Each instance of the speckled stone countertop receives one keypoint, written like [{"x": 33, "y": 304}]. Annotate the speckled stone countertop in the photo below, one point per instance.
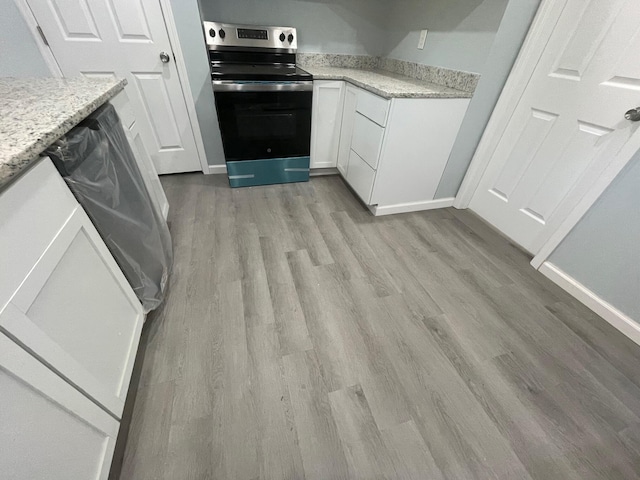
[
  {"x": 386, "y": 84},
  {"x": 35, "y": 112}
]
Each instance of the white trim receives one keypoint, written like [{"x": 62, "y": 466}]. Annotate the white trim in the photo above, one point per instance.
[
  {"x": 45, "y": 51},
  {"x": 183, "y": 76},
  {"x": 321, "y": 172},
  {"x": 615, "y": 317},
  {"x": 530, "y": 53},
  {"x": 411, "y": 207},
  {"x": 217, "y": 169},
  {"x": 324, "y": 165}
]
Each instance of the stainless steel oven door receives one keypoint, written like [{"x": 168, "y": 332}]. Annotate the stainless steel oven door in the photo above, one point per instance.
[{"x": 262, "y": 120}]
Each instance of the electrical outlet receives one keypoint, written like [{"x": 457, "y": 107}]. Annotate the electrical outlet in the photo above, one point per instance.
[{"x": 423, "y": 39}]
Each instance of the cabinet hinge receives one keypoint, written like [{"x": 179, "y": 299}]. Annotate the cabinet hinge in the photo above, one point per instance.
[{"x": 44, "y": 39}]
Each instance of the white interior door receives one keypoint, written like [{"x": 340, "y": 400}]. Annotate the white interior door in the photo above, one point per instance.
[
  {"x": 569, "y": 125},
  {"x": 124, "y": 38}
]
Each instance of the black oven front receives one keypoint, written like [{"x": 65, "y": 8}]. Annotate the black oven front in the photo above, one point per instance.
[{"x": 264, "y": 120}]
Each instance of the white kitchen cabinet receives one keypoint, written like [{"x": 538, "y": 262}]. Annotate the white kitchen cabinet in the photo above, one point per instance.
[
  {"x": 418, "y": 140},
  {"x": 393, "y": 152},
  {"x": 123, "y": 106},
  {"x": 48, "y": 428},
  {"x": 373, "y": 107},
  {"x": 360, "y": 176},
  {"x": 62, "y": 295},
  {"x": 328, "y": 97},
  {"x": 366, "y": 139},
  {"x": 346, "y": 130}
]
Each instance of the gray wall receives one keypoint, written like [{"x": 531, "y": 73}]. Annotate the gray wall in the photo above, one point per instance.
[
  {"x": 326, "y": 26},
  {"x": 603, "y": 251},
  {"x": 508, "y": 40},
  {"x": 19, "y": 54},
  {"x": 461, "y": 32},
  {"x": 187, "y": 17}
]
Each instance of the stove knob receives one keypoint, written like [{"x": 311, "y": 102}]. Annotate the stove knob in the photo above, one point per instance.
[
  {"x": 212, "y": 32},
  {"x": 283, "y": 37},
  {"x": 290, "y": 37},
  {"x": 222, "y": 33}
]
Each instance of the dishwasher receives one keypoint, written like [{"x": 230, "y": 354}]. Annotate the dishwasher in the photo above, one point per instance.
[{"x": 97, "y": 163}]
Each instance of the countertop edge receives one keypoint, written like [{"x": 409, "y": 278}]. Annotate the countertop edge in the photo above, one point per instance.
[
  {"x": 345, "y": 77},
  {"x": 13, "y": 170}
]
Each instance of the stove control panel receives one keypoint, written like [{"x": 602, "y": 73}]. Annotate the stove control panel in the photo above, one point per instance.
[{"x": 223, "y": 35}]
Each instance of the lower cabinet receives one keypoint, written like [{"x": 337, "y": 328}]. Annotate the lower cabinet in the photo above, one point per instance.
[
  {"x": 70, "y": 326},
  {"x": 326, "y": 122},
  {"x": 393, "y": 152},
  {"x": 49, "y": 429},
  {"x": 346, "y": 130}
]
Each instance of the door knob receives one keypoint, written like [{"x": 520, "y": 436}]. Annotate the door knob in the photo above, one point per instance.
[
  {"x": 633, "y": 114},
  {"x": 164, "y": 57}
]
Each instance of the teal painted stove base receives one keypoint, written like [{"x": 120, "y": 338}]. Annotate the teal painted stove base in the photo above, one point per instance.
[{"x": 269, "y": 171}]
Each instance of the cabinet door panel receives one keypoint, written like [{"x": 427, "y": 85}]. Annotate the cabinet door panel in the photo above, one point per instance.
[
  {"x": 328, "y": 98},
  {"x": 38, "y": 194},
  {"x": 361, "y": 177},
  {"x": 346, "y": 131},
  {"x": 77, "y": 312},
  {"x": 48, "y": 429}
]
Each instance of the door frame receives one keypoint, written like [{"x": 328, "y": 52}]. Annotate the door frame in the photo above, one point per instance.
[
  {"x": 181, "y": 66},
  {"x": 532, "y": 49}
]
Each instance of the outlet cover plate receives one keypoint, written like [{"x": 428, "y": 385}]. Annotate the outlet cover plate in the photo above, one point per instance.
[{"x": 423, "y": 39}]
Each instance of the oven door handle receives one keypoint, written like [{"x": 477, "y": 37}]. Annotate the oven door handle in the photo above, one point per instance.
[{"x": 231, "y": 86}]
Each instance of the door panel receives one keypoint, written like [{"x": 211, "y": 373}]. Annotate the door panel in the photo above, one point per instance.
[
  {"x": 124, "y": 38},
  {"x": 569, "y": 123},
  {"x": 75, "y": 20},
  {"x": 130, "y": 21},
  {"x": 157, "y": 104}
]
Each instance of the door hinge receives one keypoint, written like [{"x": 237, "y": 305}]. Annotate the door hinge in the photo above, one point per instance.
[{"x": 44, "y": 39}]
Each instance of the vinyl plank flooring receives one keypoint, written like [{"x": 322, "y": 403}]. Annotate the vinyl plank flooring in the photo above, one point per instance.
[
  {"x": 303, "y": 338},
  {"x": 320, "y": 446},
  {"x": 366, "y": 453},
  {"x": 412, "y": 457}
]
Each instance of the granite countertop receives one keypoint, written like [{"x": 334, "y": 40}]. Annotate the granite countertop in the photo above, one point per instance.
[
  {"x": 35, "y": 112},
  {"x": 386, "y": 84}
]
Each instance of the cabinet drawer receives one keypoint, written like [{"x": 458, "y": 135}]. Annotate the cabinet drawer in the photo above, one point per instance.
[
  {"x": 373, "y": 107},
  {"x": 360, "y": 176},
  {"x": 367, "y": 140}
]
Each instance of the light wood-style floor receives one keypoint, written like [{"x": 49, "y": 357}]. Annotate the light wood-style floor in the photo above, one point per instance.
[{"x": 303, "y": 338}]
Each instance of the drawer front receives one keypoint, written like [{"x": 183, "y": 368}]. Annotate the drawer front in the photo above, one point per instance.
[
  {"x": 361, "y": 177},
  {"x": 373, "y": 107},
  {"x": 367, "y": 140}
]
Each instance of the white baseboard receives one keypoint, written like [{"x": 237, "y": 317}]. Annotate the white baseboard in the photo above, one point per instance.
[
  {"x": 607, "y": 311},
  {"x": 319, "y": 172},
  {"x": 217, "y": 170},
  {"x": 377, "y": 210}
]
